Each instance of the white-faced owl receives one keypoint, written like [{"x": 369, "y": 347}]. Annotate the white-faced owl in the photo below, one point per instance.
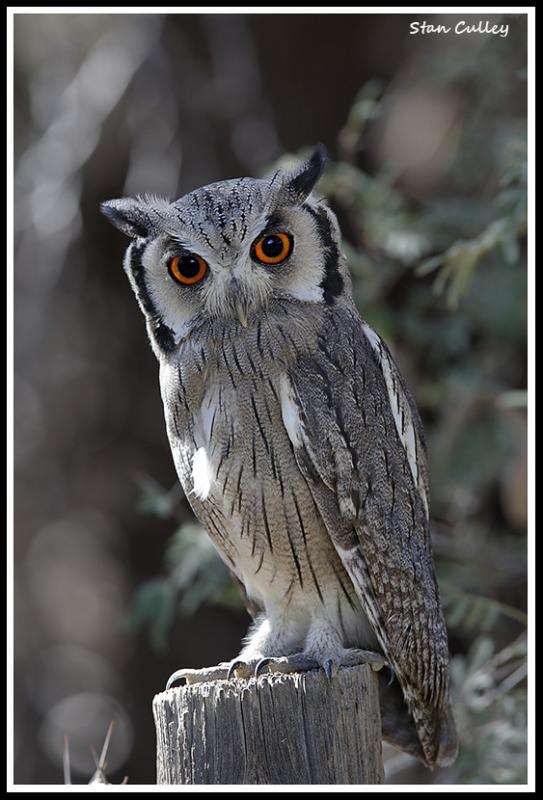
[{"x": 295, "y": 438}]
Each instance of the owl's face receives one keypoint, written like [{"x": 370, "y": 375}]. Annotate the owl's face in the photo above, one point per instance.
[{"x": 230, "y": 248}]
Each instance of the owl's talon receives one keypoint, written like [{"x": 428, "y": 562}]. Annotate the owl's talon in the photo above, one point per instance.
[
  {"x": 295, "y": 662},
  {"x": 391, "y": 675},
  {"x": 329, "y": 669},
  {"x": 204, "y": 675},
  {"x": 264, "y": 662},
  {"x": 238, "y": 662},
  {"x": 178, "y": 675}
]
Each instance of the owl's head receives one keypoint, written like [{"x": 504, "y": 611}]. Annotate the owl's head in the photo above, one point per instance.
[{"x": 230, "y": 249}]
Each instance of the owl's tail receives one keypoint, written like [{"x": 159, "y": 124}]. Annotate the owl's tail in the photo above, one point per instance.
[
  {"x": 447, "y": 740},
  {"x": 432, "y": 739}
]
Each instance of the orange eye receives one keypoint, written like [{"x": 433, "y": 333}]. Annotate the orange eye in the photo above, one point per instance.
[
  {"x": 273, "y": 249},
  {"x": 188, "y": 270}
]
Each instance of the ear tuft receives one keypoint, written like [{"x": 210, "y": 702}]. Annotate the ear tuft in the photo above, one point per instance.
[
  {"x": 300, "y": 182},
  {"x": 128, "y": 215}
]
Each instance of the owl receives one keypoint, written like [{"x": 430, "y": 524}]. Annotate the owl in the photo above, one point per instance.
[{"x": 296, "y": 440}]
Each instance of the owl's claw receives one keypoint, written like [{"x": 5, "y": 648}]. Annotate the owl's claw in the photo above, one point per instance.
[
  {"x": 330, "y": 669},
  {"x": 190, "y": 676},
  {"x": 304, "y": 662},
  {"x": 227, "y": 671},
  {"x": 355, "y": 657},
  {"x": 295, "y": 662},
  {"x": 264, "y": 662},
  {"x": 178, "y": 675},
  {"x": 234, "y": 665}
]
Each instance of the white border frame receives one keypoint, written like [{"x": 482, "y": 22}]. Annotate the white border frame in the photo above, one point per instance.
[{"x": 411, "y": 12}]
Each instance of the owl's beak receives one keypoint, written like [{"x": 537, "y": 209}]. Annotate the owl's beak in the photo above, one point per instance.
[{"x": 241, "y": 314}]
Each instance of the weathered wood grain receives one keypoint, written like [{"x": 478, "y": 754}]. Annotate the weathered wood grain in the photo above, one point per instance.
[{"x": 279, "y": 729}]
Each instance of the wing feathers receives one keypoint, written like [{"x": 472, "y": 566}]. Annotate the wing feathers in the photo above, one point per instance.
[
  {"x": 401, "y": 408},
  {"x": 358, "y": 440}
]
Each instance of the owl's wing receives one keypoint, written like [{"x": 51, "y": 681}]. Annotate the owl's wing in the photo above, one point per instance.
[{"x": 358, "y": 440}]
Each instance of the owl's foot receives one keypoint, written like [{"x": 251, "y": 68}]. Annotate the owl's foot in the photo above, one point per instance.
[
  {"x": 303, "y": 662},
  {"x": 203, "y": 675},
  {"x": 226, "y": 671},
  {"x": 296, "y": 662}
]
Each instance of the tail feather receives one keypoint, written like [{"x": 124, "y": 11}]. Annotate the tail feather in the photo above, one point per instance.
[
  {"x": 427, "y": 734},
  {"x": 448, "y": 740}
]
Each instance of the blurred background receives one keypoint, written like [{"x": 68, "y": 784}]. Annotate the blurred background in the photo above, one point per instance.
[{"x": 116, "y": 586}]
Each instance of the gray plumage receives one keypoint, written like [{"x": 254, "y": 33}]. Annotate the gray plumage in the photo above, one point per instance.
[{"x": 294, "y": 435}]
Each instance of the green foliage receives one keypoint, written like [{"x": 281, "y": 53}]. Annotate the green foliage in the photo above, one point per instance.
[
  {"x": 153, "y": 608},
  {"x": 193, "y": 572},
  {"x": 155, "y": 500},
  {"x": 474, "y": 613},
  {"x": 491, "y": 712}
]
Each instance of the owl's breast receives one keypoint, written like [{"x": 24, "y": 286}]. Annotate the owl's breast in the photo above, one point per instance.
[{"x": 237, "y": 466}]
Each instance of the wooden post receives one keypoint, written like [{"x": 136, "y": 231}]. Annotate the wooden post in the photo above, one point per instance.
[{"x": 277, "y": 729}]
